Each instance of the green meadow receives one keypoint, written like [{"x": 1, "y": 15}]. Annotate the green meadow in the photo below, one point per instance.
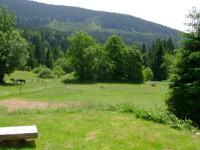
[
  {"x": 85, "y": 122},
  {"x": 54, "y": 90}
]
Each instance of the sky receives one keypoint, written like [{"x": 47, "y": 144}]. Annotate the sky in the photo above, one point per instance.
[{"x": 171, "y": 13}]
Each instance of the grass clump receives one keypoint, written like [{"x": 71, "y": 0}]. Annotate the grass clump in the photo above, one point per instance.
[{"x": 157, "y": 115}]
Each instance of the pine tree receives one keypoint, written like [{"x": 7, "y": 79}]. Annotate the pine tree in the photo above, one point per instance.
[
  {"x": 143, "y": 48},
  {"x": 159, "y": 70},
  {"x": 49, "y": 59},
  {"x": 31, "y": 62},
  {"x": 144, "y": 55},
  {"x": 170, "y": 46},
  {"x": 184, "y": 99},
  {"x": 37, "y": 41}
]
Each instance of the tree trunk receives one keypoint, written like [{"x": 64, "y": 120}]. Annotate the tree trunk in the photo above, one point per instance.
[{"x": 1, "y": 78}]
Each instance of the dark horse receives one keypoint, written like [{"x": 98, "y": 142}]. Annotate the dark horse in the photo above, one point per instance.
[
  {"x": 18, "y": 81},
  {"x": 21, "y": 81}
]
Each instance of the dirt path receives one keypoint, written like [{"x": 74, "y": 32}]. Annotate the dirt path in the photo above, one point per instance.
[{"x": 20, "y": 104}]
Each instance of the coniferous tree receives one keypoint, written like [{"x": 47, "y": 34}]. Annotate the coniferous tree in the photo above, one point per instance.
[
  {"x": 149, "y": 58},
  {"x": 184, "y": 99},
  {"x": 49, "y": 59},
  {"x": 31, "y": 62},
  {"x": 143, "y": 48},
  {"x": 144, "y": 55},
  {"x": 170, "y": 46},
  {"x": 159, "y": 70},
  {"x": 37, "y": 41}
]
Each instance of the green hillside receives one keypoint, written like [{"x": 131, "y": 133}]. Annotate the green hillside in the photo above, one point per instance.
[{"x": 100, "y": 24}]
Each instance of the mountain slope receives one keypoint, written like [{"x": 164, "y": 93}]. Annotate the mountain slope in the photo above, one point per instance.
[{"x": 100, "y": 24}]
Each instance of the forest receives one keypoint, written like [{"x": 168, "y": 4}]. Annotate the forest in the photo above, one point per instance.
[
  {"x": 58, "y": 50},
  {"x": 100, "y": 24}
]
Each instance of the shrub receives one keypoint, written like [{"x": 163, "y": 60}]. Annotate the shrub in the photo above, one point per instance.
[
  {"x": 64, "y": 64},
  {"x": 67, "y": 67},
  {"x": 157, "y": 115},
  {"x": 38, "y": 69},
  {"x": 58, "y": 71},
  {"x": 148, "y": 74},
  {"x": 46, "y": 73},
  {"x": 69, "y": 78}
]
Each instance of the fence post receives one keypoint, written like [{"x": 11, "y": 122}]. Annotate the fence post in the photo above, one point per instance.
[{"x": 20, "y": 88}]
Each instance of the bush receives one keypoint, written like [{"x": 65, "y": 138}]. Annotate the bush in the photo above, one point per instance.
[
  {"x": 38, "y": 69},
  {"x": 46, "y": 73},
  {"x": 148, "y": 74},
  {"x": 67, "y": 67},
  {"x": 156, "y": 115},
  {"x": 58, "y": 71},
  {"x": 69, "y": 78},
  {"x": 64, "y": 64}
]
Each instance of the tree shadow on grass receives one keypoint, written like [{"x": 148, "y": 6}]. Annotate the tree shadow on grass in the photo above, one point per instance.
[
  {"x": 17, "y": 144},
  {"x": 6, "y": 84},
  {"x": 74, "y": 81}
]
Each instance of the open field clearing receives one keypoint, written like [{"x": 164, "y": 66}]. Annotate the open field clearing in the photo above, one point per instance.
[
  {"x": 54, "y": 90},
  {"x": 74, "y": 116}
]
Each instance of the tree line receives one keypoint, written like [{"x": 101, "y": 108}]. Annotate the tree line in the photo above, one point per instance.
[
  {"x": 90, "y": 60},
  {"x": 158, "y": 56},
  {"x": 45, "y": 46},
  {"x": 112, "y": 60}
]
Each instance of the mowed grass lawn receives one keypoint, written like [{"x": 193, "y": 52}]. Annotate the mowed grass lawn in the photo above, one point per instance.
[
  {"x": 94, "y": 128},
  {"x": 91, "y": 130}
]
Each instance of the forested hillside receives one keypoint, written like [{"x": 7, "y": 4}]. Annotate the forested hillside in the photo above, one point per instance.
[{"x": 99, "y": 24}]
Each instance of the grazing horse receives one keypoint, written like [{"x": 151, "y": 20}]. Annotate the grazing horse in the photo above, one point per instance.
[
  {"x": 21, "y": 81},
  {"x": 13, "y": 80}
]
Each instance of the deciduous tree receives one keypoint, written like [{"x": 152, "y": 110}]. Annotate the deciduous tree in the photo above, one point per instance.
[
  {"x": 78, "y": 43},
  {"x": 13, "y": 48}
]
